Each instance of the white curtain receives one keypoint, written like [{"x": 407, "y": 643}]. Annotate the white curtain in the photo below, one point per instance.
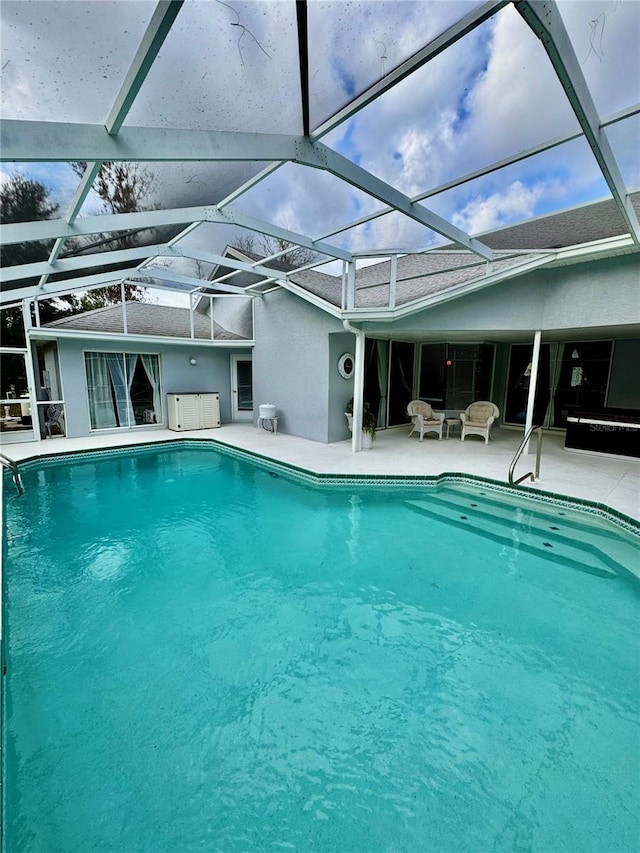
[
  {"x": 101, "y": 410},
  {"x": 555, "y": 367},
  {"x": 115, "y": 364},
  {"x": 131, "y": 360},
  {"x": 151, "y": 365},
  {"x": 382, "y": 352}
]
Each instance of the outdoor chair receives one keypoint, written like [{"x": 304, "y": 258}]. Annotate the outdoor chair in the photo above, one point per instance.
[
  {"x": 424, "y": 419},
  {"x": 477, "y": 419},
  {"x": 54, "y": 418}
]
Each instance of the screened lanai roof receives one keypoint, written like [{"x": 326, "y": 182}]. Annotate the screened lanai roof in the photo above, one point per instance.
[{"x": 348, "y": 128}]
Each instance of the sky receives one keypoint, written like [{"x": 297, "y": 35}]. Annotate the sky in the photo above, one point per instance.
[{"x": 233, "y": 66}]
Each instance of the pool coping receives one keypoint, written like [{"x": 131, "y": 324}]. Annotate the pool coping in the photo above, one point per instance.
[{"x": 619, "y": 519}]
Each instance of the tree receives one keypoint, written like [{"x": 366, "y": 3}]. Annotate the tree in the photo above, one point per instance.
[
  {"x": 294, "y": 256},
  {"x": 23, "y": 199},
  {"x": 122, "y": 188}
]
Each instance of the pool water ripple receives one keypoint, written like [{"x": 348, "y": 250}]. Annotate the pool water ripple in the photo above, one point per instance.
[{"x": 202, "y": 656}]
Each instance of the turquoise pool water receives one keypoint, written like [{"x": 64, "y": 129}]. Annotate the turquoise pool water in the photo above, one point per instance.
[{"x": 202, "y": 655}]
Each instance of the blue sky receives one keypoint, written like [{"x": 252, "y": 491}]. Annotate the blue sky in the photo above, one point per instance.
[{"x": 490, "y": 96}]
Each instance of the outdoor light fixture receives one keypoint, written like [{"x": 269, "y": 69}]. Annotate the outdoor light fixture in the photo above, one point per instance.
[{"x": 193, "y": 361}]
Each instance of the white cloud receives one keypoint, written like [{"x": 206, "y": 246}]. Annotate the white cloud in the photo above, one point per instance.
[
  {"x": 491, "y": 95},
  {"x": 500, "y": 208}
]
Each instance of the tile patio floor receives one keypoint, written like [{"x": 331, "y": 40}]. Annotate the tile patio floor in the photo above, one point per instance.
[{"x": 604, "y": 479}]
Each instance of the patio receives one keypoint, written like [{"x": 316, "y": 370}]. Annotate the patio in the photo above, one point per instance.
[{"x": 602, "y": 479}]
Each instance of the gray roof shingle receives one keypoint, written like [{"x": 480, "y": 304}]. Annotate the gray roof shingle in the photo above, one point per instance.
[{"x": 145, "y": 318}]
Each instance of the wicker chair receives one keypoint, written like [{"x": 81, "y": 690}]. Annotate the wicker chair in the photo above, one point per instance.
[
  {"x": 54, "y": 419},
  {"x": 477, "y": 419},
  {"x": 424, "y": 419}
]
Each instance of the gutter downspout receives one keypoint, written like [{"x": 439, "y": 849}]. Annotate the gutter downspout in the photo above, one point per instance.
[{"x": 358, "y": 386}]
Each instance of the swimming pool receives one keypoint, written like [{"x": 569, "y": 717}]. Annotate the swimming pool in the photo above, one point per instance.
[{"x": 204, "y": 653}]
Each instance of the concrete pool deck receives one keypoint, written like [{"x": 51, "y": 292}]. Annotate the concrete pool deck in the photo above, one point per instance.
[{"x": 607, "y": 480}]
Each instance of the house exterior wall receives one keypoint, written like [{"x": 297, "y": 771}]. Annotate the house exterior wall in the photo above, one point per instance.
[
  {"x": 586, "y": 295},
  {"x": 290, "y": 363},
  {"x": 211, "y": 373},
  {"x": 340, "y": 390}
]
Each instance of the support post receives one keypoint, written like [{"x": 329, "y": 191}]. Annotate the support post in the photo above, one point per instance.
[
  {"x": 123, "y": 300},
  {"x": 393, "y": 279},
  {"x": 358, "y": 387},
  {"x": 533, "y": 379},
  {"x": 351, "y": 285},
  {"x": 31, "y": 375}
]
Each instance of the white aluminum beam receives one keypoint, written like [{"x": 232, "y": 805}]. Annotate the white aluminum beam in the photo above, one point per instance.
[
  {"x": 212, "y": 258},
  {"x": 545, "y": 21},
  {"x": 318, "y": 301},
  {"x": 51, "y": 141},
  {"x": 319, "y": 156},
  {"x": 82, "y": 191},
  {"x": 68, "y": 285},
  {"x": 442, "y": 296},
  {"x": 252, "y": 182},
  {"x": 163, "y": 274},
  {"x": 157, "y": 30},
  {"x": 79, "y": 262},
  {"x": 439, "y": 44},
  {"x": 485, "y": 170},
  {"x": 49, "y": 333},
  {"x": 50, "y": 229},
  {"x": 298, "y": 239}
]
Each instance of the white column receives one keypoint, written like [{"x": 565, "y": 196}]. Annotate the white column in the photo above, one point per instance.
[
  {"x": 351, "y": 285},
  {"x": 531, "y": 399},
  {"x": 358, "y": 386},
  {"x": 31, "y": 377},
  {"x": 123, "y": 300},
  {"x": 393, "y": 278}
]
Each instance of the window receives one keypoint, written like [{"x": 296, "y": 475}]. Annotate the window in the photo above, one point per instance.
[{"x": 123, "y": 389}]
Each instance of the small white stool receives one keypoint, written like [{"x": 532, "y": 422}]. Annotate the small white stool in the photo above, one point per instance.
[{"x": 268, "y": 425}]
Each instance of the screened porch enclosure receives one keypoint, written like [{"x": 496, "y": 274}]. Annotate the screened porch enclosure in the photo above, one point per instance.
[
  {"x": 572, "y": 376},
  {"x": 123, "y": 389},
  {"x": 449, "y": 376}
]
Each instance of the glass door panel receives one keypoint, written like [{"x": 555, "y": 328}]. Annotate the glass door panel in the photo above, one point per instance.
[
  {"x": 241, "y": 388},
  {"x": 16, "y": 417},
  {"x": 518, "y": 384},
  {"x": 376, "y": 377}
]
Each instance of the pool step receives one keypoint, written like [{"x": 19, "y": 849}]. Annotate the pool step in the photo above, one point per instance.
[
  {"x": 521, "y": 529},
  {"x": 617, "y": 549}
]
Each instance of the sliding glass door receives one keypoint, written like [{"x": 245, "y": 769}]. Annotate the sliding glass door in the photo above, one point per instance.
[
  {"x": 452, "y": 376},
  {"x": 376, "y": 378},
  {"x": 400, "y": 381},
  {"x": 123, "y": 389},
  {"x": 571, "y": 376}
]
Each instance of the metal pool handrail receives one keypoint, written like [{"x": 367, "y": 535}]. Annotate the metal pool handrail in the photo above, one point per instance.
[
  {"x": 12, "y": 466},
  {"x": 518, "y": 454}
]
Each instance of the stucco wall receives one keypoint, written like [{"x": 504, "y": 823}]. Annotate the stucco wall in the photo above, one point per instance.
[
  {"x": 340, "y": 390},
  {"x": 211, "y": 373},
  {"x": 290, "y": 363},
  {"x": 586, "y": 295}
]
